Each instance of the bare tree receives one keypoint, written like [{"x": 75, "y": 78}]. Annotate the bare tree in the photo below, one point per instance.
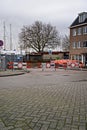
[
  {"x": 66, "y": 43},
  {"x": 39, "y": 36}
]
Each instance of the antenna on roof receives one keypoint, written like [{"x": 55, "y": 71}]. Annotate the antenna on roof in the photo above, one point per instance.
[{"x": 10, "y": 38}]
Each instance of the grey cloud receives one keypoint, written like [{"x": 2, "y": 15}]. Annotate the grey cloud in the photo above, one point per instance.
[{"x": 60, "y": 13}]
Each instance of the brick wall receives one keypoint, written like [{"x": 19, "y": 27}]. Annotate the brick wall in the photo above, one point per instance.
[{"x": 76, "y": 39}]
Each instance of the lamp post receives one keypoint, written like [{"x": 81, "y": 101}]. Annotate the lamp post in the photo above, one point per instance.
[
  {"x": 1, "y": 44},
  {"x": 50, "y": 54}
]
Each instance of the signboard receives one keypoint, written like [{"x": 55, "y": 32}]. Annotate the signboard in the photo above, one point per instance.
[
  {"x": 52, "y": 65},
  {"x": 1, "y": 43},
  {"x": 20, "y": 65},
  {"x": 50, "y": 52},
  {"x": 47, "y": 65},
  {"x": 43, "y": 66}
]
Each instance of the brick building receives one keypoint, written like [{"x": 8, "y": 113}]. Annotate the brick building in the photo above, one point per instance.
[{"x": 78, "y": 38}]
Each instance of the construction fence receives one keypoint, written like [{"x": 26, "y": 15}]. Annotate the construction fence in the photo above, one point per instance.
[{"x": 52, "y": 64}]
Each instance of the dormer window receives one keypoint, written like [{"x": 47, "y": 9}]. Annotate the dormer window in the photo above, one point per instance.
[{"x": 82, "y": 17}]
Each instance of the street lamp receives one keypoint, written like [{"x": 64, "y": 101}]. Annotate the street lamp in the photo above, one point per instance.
[
  {"x": 1, "y": 44},
  {"x": 50, "y": 54}
]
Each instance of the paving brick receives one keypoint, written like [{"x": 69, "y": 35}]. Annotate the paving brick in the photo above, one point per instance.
[
  {"x": 18, "y": 129},
  {"x": 44, "y": 127},
  {"x": 10, "y": 127},
  {"x": 45, "y": 105},
  {"x": 2, "y": 125},
  {"x": 82, "y": 128},
  {"x": 53, "y": 125},
  {"x": 32, "y": 124},
  {"x": 68, "y": 120}
]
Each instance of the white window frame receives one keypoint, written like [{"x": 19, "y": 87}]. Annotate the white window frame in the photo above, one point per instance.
[
  {"x": 74, "y": 57},
  {"x": 79, "y": 31},
  {"x": 82, "y": 18},
  {"x": 79, "y": 44},
  {"x": 85, "y": 30},
  {"x": 74, "y": 45},
  {"x": 74, "y": 32},
  {"x": 77, "y": 57}
]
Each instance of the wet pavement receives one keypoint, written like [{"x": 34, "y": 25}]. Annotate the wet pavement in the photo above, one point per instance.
[{"x": 48, "y": 100}]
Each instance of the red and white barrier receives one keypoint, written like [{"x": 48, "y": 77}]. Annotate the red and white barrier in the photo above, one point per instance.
[
  {"x": 71, "y": 65},
  {"x": 19, "y": 65},
  {"x": 47, "y": 65}
]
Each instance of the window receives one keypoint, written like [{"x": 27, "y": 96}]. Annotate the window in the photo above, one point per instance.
[
  {"x": 80, "y": 58},
  {"x": 85, "y": 30},
  {"x": 74, "y": 57},
  {"x": 85, "y": 44},
  {"x": 78, "y": 44},
  {"x": 74, "y": 45},
  {"x": 74, "y": 32},
  {"x": 79, "y": 31},
  {"x": 77, "y": 57},
  {"x": 82, "y": 17}
]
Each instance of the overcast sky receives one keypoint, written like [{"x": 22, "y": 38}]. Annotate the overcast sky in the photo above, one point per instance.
[{"x": 59, "y": 13}]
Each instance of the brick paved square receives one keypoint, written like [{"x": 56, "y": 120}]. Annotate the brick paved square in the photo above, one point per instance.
[{"x": 44, "y": 101}]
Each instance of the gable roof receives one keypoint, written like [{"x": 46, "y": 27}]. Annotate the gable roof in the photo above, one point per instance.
[{"x": 76, "y": 22}]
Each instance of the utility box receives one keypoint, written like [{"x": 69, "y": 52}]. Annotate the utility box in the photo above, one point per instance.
[{"x": 3, "y": 63}]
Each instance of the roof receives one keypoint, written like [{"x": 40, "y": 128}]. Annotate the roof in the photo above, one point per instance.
[
  {"x": 77, "y": 23},
  {"x": 46, "y": 53}
]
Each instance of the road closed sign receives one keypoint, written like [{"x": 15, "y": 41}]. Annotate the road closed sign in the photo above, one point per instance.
[{"x": 20, "y": 65}]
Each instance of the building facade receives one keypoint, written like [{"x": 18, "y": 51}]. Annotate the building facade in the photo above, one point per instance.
[
  {"x": 46, "y": 56},
  {"x": 78, "y": 38}
]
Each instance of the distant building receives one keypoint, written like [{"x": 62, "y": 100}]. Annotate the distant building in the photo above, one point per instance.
[
  {"x": 56, "y": 55},
  {"x": 78, "y": 38},
  {"x": 46, "y": 56},
  {"x": 11, "y": 56}
]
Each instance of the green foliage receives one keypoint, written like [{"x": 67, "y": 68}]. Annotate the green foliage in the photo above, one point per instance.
[{"x": 57, "y": 58}]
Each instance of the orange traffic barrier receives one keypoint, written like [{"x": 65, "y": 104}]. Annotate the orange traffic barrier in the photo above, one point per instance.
[{"x": 10, "y": 65}]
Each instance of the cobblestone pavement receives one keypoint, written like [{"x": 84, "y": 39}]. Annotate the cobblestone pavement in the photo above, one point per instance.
[{"x": 50, "y": 104}]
